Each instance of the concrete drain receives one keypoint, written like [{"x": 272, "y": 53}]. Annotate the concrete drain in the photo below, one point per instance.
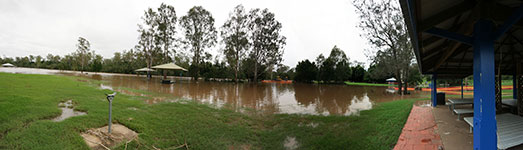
[{"x": 99, "y": 138}]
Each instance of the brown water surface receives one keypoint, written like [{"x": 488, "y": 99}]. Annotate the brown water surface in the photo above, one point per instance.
[{"x": 268, "y": 97}]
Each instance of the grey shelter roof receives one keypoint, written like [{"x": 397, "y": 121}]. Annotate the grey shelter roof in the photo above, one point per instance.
[
  {"x": 169, "y": 66},
  {"x": 144, "y": 70},
  {"x": 451, "y": 59}
]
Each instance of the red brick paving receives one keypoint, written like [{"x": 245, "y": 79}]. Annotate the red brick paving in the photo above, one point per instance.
[{"x": 419, "y": 132}]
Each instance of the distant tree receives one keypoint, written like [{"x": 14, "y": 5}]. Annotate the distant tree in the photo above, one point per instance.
[
  {"x": 248, "y": 69},
  {"x": 96, "y": 64},
  {"x": 336, "y": 67},
  {"x": 358, "y": 73},
  {"x": 52, "y": 62},
  {"x": 283, "y": 72},
  {"x": 337, "y": 55},
  {"x": 215, "y": 70},
  {"x": 374, "y": 76},
  {"x": 343, "y": 71},
  {"x": 267, "y": 43},
  {"x": 166, "y": 30},
  {"x": 414, "y": 76},
  {"x": 328, "y": 70},
  {"x": 182, "y": 60},
  {"x": 68, "y": 63},
  {"x": 319, "y": 60},
  {"x": 235, "y": 34},
  {"x": 7, "y": 60},
  {"x": 38, "y": 61},
  {"x": 306, "y": 71},
  {"x": 147, "y": 44},
  {"x": 83, "y": 52},
  {"x": 200, "y": 33},
  {"x": 31, "y": 61},
  {"x": 384, "y": 27}
]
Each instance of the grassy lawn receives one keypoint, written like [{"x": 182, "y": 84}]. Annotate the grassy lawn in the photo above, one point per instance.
[
  {"x": 28, "y": 102},
  {"x": 367, "y": 84}
]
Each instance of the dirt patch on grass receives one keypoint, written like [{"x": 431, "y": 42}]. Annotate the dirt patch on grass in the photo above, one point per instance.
[{"x": 99, "y": 138}]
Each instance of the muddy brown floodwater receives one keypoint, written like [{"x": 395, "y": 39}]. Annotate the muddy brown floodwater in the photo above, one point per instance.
[{"x": 268, "y": 97}]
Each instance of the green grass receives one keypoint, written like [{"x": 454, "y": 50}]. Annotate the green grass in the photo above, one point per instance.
[
  {"x": 367, "y": 84},
  {"x": 503, "y": 82},
  {"x": 378, "y": 128},
  {"x": 28, "y": 102}
]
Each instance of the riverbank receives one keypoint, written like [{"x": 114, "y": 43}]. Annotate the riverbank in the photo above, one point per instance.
[
  {"x": 30, "y": 102},
  {"x": 367, "y": 84},
  {"x": 354, "y": 83}
]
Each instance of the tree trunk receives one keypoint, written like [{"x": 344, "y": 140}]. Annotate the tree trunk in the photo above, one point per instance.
[
  {"x": 255, "y": 71},
  {"x": 406, "y": 77},
  {"x": 405, "y": 88},
  {"x": 398, "y": 76},
  {"x": 236, "y": 73},
  {"x": 237, "y": 63},
  {"x": 149, "y": 64},
  {"x": 197, "y": 64}
]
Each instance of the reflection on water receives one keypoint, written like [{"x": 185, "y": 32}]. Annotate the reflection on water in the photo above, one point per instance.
[
  {"x": 270, "y": 98},
  {"x": 105, "y": 87},
  {"x": 358, "y": 105}
]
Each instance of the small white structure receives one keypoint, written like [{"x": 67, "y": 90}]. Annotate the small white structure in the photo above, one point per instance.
[
  {"x": 391, "y": 79},
  {"x": 8, "y": 65}
]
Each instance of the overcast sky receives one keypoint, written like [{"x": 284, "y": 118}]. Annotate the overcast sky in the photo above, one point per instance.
[{"x": 37, "y": 27}]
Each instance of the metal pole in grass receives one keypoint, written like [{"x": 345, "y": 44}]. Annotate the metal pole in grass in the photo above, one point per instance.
[{"x": 110, "y": 98}]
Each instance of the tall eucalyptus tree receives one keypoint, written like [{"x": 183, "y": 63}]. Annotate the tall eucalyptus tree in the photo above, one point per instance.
[
  {"x": 200, "y": 34},
  {"x": 235, "y": 34}
]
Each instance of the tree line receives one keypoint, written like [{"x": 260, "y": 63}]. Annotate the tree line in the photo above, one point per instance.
[
  {"x": 336, "y": 68},
  {"x": 249, "y": 40},
  {"x": 251, "y": 46}
]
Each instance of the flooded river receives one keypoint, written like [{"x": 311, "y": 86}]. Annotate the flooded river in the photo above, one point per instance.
[{"x": 267, "y": 97}]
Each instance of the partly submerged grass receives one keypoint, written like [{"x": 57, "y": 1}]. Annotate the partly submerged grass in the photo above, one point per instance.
[
  {"x": 378, "y": 128},
  {"x": 28, "y": 102}
]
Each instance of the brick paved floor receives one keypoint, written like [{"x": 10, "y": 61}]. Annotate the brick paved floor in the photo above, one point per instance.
[{"x": 419, "y": 131}]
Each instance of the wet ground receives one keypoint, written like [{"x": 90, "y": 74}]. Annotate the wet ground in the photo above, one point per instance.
[
  {"x": 268, "y": 97},
  {"x": 67, "y": 111},
  {"x": 419, "y": 131},
  {"x": 455, "y": 133}
]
